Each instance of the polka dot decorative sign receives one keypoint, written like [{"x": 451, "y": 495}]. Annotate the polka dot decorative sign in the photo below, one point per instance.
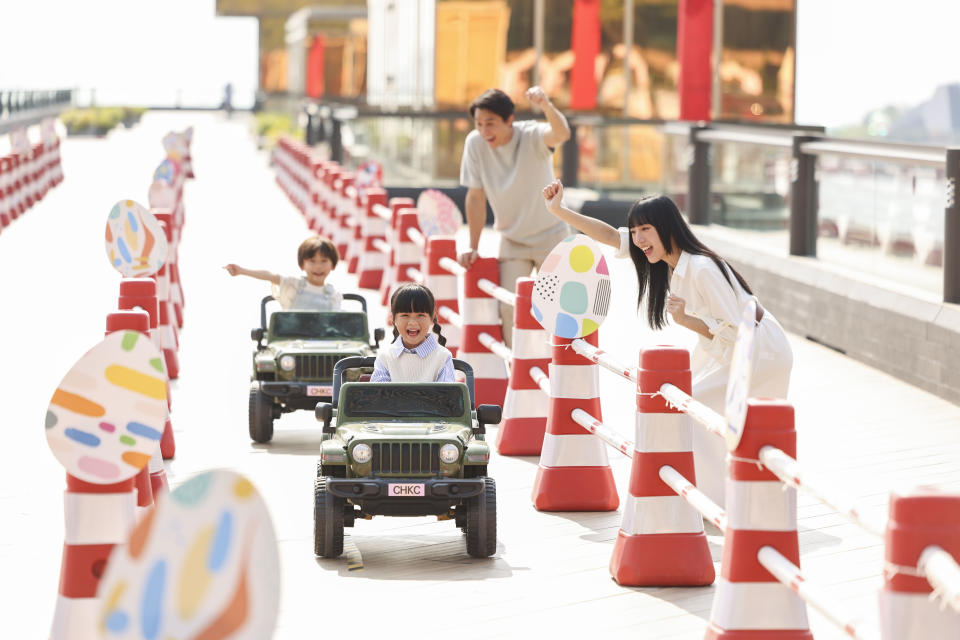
[
  {"x": 202, "y": 564},
  {"x": 107, "y": 415},
  {"x": 166, "y": 171},
  {"x": 136, "y": 245},
  {"x": 738, "y": 384},
  {"x": 437, "y": 214},
  {"x": 369, "y": 174},
  {"x": 572, "y": 292}
]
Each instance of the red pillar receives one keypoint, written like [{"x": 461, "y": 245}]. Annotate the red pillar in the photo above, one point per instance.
[
  {"x": 694, "y": 50},
  {"x": 585, "y": 42}
]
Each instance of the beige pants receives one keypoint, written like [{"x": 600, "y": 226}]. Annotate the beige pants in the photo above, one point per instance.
[{"x": 521, "y": 261}]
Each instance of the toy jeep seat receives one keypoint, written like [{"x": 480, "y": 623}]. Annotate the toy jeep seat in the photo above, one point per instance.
[{"x": 356, "y": 362}]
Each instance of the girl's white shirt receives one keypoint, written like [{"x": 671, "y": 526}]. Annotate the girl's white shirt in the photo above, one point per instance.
[
  {"x": 708, "y": 296},
  {"x": 298, "y": 294}
]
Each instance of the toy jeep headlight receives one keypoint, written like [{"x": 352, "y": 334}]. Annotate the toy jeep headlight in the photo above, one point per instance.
[
  {"x": 362, "y": 453},
  {"x": 288, "y": 363},
  {"x": 449, "y": 453}
]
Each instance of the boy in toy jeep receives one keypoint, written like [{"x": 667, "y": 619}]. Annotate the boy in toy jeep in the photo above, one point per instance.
[
  {"x": 317, "y": 256},
  {"x": 418, "y": 356}
]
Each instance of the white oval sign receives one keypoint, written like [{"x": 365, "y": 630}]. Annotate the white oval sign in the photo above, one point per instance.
[
  {"x": 135, "y": 242},
  {"x": 437, "y": 214}
]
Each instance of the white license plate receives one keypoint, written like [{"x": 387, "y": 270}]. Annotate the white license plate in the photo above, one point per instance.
[
  {"x": 319, "y": 389},
  {"x": 406, "y": 490}
]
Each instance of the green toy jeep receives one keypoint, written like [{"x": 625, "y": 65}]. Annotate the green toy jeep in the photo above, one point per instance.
[
  {"x": 404, "y": 449},
  {"x": 295, "y": 356}
]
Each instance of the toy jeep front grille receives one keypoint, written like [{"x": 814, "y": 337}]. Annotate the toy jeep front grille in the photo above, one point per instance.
[
  {"x": 316, "y": 367},
  {"x": 409, "y": 458}
]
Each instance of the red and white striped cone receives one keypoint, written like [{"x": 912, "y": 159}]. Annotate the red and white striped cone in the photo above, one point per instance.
[
  {"x": 19, "y": 193},
  {"x": 343, "y": 215},
  {"x": 39, "y": 173},
  {"x": 165, "y": 218},
  {"x": 96, "y": 518},
  {"x": 481, "y": 314},
  {"x": 574, "y": 472},
  {"x": 141, "y": 293},
  {"x": 748, "y": 600},
  {"x": 156, "y": 475},
  {"x": 328, "y": 223},
  {"x": 443, "y": 285},
  {"x": 661, "y": 540},
  {"x": 525, "y": 407},
  {"x": 387, "y": 283},
  {"x": 355, "y": 248},
  {"x": 918, "y": 518},
  {"x": 406, "y": 252},
  {"x": 168, "y": 338},
  {"x": 6, "y": 191},
  {"x": 372, "y": 260}
]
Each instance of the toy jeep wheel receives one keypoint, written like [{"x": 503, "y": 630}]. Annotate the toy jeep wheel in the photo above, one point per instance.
[
  {"x": 261, "y": 420},
  {"x": 481, "y": 529},
  {"x": 327, "y": 521}
]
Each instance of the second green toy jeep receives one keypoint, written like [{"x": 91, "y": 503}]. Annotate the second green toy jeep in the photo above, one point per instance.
[
  {"x": 404, "y": 449},
  {"x": 295, "y": 356}
]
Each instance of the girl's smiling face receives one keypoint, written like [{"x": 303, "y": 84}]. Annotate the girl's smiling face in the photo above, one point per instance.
[
  {"x": 317, "y": 268},
  {"x": 646, "y": 238},
  {"x": 413, "y": 326}
]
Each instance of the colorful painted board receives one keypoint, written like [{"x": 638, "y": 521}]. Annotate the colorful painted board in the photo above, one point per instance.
[
  {"x": 202, "y": 564},
  {"x": 175, "y": 144},
  {"x": 136, "y": 244},
  {"x": 571, "y": 295},
  {"x": 167, "y": 171},
  {"x": 437, "y": 215},
  {"x": 738, "y": 384},
  {"x": 19, "y": 141},
  {"x": 106, "y": 416},
  {"x": 369, "y": 174}
]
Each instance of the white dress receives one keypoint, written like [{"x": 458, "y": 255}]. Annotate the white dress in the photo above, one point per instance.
[{"x": 709, "y": 297}]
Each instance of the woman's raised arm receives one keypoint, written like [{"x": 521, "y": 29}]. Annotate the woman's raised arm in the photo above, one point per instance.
[{"x": 596, "y": 229}]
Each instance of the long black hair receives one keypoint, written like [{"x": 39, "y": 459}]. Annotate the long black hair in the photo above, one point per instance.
[
  {"x": 662, "y": 214},
  {"x": 416, "y": 298}
]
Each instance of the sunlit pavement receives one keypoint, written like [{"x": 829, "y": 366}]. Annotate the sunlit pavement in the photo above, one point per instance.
[{"x": 866, "y": 430}]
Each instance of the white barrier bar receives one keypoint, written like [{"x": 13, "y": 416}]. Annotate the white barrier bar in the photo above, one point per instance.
[
  {"x": 414, "y": 274},
  {"x": 942, "y": 573},
  {"x": 381, "y": 245},
  {"x": 452, "y": 266},
  {"x": 382, "y": 211},
  {"x": 791, "y": 473},
  {"x": 495, "y": 345},
  {"x": 601, "y": 357},
  {"x": 497, "y": 292},
  {"x": 541, "y": 379},
  {"x": 603, "y": 432},
  {"x": 700, "y": 412},
  {"x": 450, "y": 316},
  {"x": 417, "y": 237},
  {"x": 790, "y": 576},
  {"x": 694, "y": 497}
]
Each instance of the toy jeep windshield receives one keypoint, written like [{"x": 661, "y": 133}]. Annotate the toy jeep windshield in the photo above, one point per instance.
[
  {"x": 294, "y": 360},
  {"x": 404, "y": 449}
]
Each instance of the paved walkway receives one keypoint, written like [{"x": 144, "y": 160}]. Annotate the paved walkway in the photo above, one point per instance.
[{"x": 863, "y": 429}]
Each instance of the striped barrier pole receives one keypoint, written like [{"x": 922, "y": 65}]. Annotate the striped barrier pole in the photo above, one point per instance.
[
  {"x": 342, "y": 214},
  {"x": 393, "y": 239}
]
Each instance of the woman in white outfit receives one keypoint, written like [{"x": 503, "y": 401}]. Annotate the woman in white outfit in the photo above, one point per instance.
[{"x": 679, "y": 275}]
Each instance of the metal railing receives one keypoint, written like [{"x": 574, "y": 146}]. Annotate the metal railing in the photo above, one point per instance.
[{"x": 24, "y": 108}]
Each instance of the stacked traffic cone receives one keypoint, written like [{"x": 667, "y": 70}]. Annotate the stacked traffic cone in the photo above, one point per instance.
[
  {"x": 387, "y": 283},
  {"x": 443, "y": 285},
  {"x": 481, "y": 314},
  {"x": 525, "y": 407},
  {"x": 661, "y": 540},
  {"x": 918, "y": 518},
  {"x": 343, "y": 214},
  {"x": 749, "y": 601},
  {"x": 372, "y": 261},
  {"x": 574, "y": 473}
]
